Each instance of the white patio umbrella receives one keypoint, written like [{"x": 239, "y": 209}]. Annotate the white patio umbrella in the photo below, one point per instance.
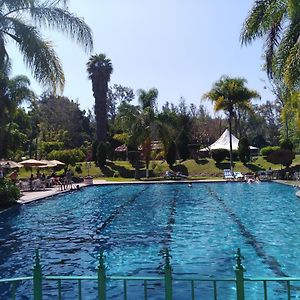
[
  {"x": 49, "y": 164},
  {"x": 30, "y": 163},
  {"x": 9, "y": 164},
  {"x": 57, "y": 162}
]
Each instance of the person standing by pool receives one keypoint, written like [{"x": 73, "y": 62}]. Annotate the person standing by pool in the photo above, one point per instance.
[
  {"x": 69, "y": 179},
  {"x": 14, "y": 176}
]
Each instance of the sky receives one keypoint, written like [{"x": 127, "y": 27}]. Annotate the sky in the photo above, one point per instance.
[{"x": 179, "y": 47}]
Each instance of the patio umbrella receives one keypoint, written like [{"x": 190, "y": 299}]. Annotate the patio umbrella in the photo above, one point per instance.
[
  {"x": 32, "y": 163},
  {"x": 49, "y": 164},
  {"x": 9, "y": 164},
  {"x": 57, "y": 163}
]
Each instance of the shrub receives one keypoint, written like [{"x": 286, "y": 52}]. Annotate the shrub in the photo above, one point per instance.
[
  {"x": 182, "y": 146},
  {"x": 171, "y": 154},
  {"x": 219, "y": 155},
  {"x": 78, "y": 169},
  {"x": 268, "y": 150},
  {"x": 282, "y": 156},
  {"x": 244, "y": 150},
  {"x": 101, "y": 154},
  {"x": 69, "y": 157},
  {"x": 287, "y": 144},
  {"x": 9, "y": 193}
]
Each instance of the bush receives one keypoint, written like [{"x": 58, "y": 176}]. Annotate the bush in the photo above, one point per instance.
[
  {"x": 287, "y": 144},
  {"x": 78, "y": 169},
  {"x": 268, "y": 150},
  {"x": 69, "y": 157},
  {"x": 219, "y": 155},
  {"x": 244, "y": 150},
  {"x": 282, "y": 156},
  {"x": 9, "y": 193},
  {"x": 101, "y": 154},
  {"x": 171, "y": 154}
]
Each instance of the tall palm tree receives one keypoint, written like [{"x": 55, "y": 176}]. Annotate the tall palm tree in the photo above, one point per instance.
[
  {"x": 227, "y": 94},
  {"x": 277, "y": 22},
  {"x": 99, "y": 68},
  {"x": 21, "y": 21},
  {"x": 147, "y": 101}
]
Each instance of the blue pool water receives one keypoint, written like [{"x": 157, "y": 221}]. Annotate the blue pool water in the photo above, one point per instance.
[{"x": 202, "y": 226}]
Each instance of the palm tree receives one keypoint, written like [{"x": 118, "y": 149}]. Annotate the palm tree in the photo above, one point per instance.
[
  {"x": 99, "y": 68},
  {"x": 227, "y": 94},
  {"x": 21, "y": 20},
  {"x": 147, "y": 101},
  {"x": 277, "y": 22}
]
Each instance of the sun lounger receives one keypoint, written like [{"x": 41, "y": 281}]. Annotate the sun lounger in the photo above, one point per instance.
[
  {"x": 228, "y": 175},
  {"x": 238, "y": 176}
]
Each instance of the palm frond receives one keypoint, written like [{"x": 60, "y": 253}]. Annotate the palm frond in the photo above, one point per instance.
[
  {"x": 62, "y": 20},
  {"x": 38, "y": 54}
]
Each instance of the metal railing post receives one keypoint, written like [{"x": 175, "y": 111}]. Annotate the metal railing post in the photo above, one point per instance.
[
  {"x": 37, "y": 277},
  {"x": 239, "y": 273},
  {"x": 101, "y": 277},
  {"x": 168, "y": 277}
]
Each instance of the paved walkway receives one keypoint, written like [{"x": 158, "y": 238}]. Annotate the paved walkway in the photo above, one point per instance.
[{"x": 48, "y": 192}]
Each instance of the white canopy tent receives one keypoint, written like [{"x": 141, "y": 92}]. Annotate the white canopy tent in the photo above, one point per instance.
[{"x": 223, "y": 143}]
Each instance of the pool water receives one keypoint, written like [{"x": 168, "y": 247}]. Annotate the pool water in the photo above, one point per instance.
[{"x": 202, "y": 226}]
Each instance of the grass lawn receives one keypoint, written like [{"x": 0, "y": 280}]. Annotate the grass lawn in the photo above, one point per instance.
[{"x": 195, "y": 169}]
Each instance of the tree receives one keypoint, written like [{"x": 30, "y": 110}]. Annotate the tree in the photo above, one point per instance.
[
  {"x": 62, "y": 119},
  {"x": 99, "y": 68},
  {"x": 118, "y": 95},
  {"x": 147, "y": 101},
  {"x": 277, "y": 22},
  {"x": 20, "y": 21},
  {"x": 13, "y": 91},
  {"x": 227, "y": 94}
]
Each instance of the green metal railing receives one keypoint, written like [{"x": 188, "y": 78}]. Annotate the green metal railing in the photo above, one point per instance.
[{"x": 168, "y": 280}]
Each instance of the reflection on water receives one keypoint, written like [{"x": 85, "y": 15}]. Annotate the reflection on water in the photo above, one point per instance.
[{"x": 201, "y": 226}]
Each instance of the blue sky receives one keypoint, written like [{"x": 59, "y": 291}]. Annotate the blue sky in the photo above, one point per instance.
[{"x": 179, "y": 47}]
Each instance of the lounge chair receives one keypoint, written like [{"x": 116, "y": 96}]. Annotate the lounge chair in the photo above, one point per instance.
[
  {"x": 238, "y": 176},
  {"x": 228, "y": 175}
]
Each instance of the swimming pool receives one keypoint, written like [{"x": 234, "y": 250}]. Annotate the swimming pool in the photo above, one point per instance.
[{"x": 201, "y": 225}]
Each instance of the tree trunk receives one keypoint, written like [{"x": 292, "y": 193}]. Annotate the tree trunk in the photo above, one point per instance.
[
  {"x": 230, "y": 143},
  {"x": 100, "y": 94}
]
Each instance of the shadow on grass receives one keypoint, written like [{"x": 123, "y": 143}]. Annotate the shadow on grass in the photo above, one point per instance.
[
  {"x": 224, "y": 165},
  {"x": 180, "y": 168},
  {"x": 202, "y": 161},
  {"x": 254, "y": 168}
]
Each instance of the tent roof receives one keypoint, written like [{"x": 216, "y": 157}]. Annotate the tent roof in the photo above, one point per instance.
[{"x": 223, "y": 142}]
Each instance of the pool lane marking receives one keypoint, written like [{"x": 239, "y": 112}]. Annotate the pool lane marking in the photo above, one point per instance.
[
  {"x": 269, "y": 260},
  {"x": 169, "y": 229},
  {"x": 119, "y": 210}
]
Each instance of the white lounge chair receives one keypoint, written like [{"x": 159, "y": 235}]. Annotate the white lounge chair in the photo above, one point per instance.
[
  {"x": 228, "y": 175},
  {"x": 238, "y": 176}
]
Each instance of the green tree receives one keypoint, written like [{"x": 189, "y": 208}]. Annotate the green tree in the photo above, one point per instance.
[
  {"x": 277, "y": 22},
  {"x": 21, "y": 21},
  {"x": 13, "y": 91},
  {"x": 227, "y": 94},
  {"x": 171, "y": 154},
  {"x": 99, "y": 68}
]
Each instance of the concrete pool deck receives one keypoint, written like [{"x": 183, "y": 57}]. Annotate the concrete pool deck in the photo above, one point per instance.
[{"x": 30, "y": 196}]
